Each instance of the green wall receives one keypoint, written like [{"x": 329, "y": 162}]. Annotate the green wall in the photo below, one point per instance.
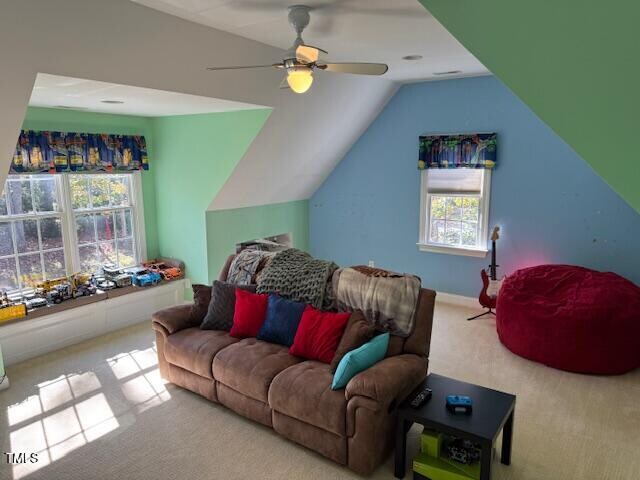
[
  {"x": 225, "y": 228},
  {"x": 87, "y": 122},
  {"x": 193, "y": 157},
  {"x": 573, "y": 62}
]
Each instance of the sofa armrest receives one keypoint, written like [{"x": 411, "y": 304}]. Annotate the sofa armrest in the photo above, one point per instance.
[
  {"x": 391, "y": 379},
  {"x": 173, "y": 319}
]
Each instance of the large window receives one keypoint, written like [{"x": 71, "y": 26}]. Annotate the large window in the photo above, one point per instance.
[
  {"x": 104, "y": 217},
  {"x": 31, "y": 232},
  {"x": 55, "y": 225},
  {"x": 454, "y": 211}
]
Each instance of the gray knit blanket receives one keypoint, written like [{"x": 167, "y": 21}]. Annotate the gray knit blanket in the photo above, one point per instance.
[{"x": 298, "y": 276}]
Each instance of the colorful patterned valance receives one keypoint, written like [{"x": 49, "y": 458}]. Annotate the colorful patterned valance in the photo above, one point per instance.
[
  {"x": 55, "y": 152},
  {"x": 476, "y": 150}
]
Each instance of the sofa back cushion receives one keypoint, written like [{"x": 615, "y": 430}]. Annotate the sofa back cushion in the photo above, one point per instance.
[
  {"x": 249, "y": 314},
  {"x": 319, "y": 334},
  {"x": 201, "y": 300},
  {"x": 357, "y": 332},
  {"x": 281, "y": 321},
  {"x": 419, "y": 341},
  {"x": 222, "y": 305}
]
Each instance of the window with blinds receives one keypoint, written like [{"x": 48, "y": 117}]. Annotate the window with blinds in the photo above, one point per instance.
[{"x": 454, "y": 210}]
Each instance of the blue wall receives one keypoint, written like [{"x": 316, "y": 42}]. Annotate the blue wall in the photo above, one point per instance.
[{"x": 551, "y": 206}]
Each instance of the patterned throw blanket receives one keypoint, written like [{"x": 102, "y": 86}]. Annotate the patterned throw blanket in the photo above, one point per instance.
[
  {"x": 246, "y": 266},
  {"x": 298, "y": 276},
  {"x": 388, "y": 300}
]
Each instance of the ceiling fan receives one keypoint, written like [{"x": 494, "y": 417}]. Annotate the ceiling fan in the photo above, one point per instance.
[{"x": 301, "y": 59}]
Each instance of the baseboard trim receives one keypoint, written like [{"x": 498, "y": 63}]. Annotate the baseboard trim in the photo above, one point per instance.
[{"x": 460, "y": 300}]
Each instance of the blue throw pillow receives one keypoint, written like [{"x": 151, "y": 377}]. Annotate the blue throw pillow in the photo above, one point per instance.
[
  {"x": 281, "y": 322},
  {"x": 360, "y": 359}
]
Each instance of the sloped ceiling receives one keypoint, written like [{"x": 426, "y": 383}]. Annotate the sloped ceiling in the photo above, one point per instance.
[
  {"x": 124, "y": 43},
  {"x": 574, "y": 63},
  {"x": 350, "y": 30}
]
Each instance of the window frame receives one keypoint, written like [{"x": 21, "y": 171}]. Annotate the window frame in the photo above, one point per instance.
[
  {"x": 67, "y": 216},
  {"x": 426, "y": 245},
  {"x": 137, "y": 217},
  {"x": 37, "y": 216}
]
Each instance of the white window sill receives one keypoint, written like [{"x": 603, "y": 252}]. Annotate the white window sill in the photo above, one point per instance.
[{"x": 467, "y": 252}]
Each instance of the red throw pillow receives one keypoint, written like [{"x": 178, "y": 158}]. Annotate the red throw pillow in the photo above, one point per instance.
[
  {"x": 318, "y": 334},
  {"x": 249, "y": 314}
]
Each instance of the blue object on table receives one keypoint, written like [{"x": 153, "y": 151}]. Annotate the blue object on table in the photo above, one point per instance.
[{"x": 459, "y": 404}]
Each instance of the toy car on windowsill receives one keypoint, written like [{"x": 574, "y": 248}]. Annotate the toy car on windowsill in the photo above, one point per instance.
[
  {"x": 84, "y": 290},
  {"x": 167, "y": 271},
  {"x": 35, "y": 302},
  {"x": 116, "y": 275},
  {"x": 12, "y": 311},
  {"x": 104, "y": 283},
  {"x": 143, "y": 277}
]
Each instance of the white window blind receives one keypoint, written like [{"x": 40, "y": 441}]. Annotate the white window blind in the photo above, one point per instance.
[{"x": 458, "y": 180}]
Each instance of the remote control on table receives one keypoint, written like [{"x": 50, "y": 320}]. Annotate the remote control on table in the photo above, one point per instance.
[{"x": 420, "y": 398}]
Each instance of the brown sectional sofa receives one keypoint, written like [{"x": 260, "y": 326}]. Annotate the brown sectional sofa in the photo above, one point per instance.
[{"x": 261, "y": 381}]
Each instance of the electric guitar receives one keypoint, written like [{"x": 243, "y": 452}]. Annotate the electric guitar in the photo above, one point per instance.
[{"x": 490, "y": 283}]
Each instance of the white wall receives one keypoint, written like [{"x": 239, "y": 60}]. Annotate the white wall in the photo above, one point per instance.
[{"x": 121, "y": 42}]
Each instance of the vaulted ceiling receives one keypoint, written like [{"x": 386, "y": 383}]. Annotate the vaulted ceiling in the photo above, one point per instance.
[
  {"x": 128, "y": 44},
  {"x": 574, "y": 63},
  {"x": 350, "y": 30},
  {"x": 124, "y": 43}
]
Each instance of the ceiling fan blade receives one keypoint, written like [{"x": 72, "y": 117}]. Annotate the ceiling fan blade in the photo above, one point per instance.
[
  {"x": 284, "y": 84},
  {"x": 239, "y": 67},
  {"x": 308, "y": 54},
  {"x": 355, "y": 68}
]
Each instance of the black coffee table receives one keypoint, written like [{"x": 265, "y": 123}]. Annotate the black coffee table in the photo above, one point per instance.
[{"x": 492, "y": 412}]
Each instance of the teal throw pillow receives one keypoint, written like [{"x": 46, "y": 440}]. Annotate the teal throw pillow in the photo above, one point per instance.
[{"x": 360, "y": 359}]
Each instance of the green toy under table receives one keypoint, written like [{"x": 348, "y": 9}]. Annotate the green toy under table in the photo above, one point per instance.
[{"x": 493, "y": 412}]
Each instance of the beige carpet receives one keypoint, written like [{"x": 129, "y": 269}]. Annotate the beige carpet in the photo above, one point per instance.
[{"x": 99, "y": 410}]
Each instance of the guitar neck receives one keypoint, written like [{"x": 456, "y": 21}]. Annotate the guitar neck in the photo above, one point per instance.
[{"x": 492, "y": 272}]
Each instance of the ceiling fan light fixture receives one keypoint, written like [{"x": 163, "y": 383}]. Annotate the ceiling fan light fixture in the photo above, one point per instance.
[{"x": 299, "y": 79}]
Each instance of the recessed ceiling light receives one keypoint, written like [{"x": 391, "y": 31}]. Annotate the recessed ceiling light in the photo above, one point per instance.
[
  {"x": 112, "y": 102},
  {"x": 69, "y": 107},
  {"x": 449, "y": 72},
  {"x": 412, "y": 57}
]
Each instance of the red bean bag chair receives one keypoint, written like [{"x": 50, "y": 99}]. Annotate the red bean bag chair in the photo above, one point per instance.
[{"x": 571, "y": 318}]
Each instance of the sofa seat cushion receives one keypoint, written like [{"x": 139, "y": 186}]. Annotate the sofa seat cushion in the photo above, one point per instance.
[
  {"x": 193, "y": 349},
  {"x": 249, "y": 366},
  {"x": 304, "y": 393}
]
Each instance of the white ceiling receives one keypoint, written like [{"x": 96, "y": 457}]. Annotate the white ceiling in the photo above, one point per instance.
[
  {"x": 74, "y": 93},
  {"x": 350, "y": 30}
]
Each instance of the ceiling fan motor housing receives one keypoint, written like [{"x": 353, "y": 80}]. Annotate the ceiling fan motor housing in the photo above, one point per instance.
[{"x": 299, "y": 19}]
